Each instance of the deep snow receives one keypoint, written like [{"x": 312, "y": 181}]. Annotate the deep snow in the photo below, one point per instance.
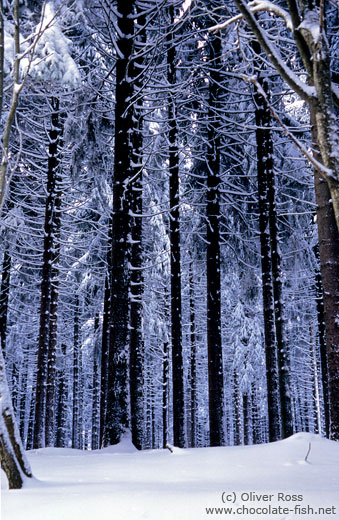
[{"x": 119, "y": 483}]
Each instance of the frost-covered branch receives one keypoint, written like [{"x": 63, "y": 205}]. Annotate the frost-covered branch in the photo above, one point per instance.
[
  {"x": 256, "y": 6},
  {"x": 304, "y": 91},
  {"x": 324, "y": 172}
]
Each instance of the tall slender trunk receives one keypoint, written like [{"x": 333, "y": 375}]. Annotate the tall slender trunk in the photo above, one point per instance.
[
  {"x": 246, "y": 404},
  {"x": 236, "y": 410},
  {"x": 164, "y": 394},
  {"x": 51, "y": 218},
  {"x": 264, "y": 171},
  {"x": 23, "y": 397},
  {"x": 53, "y": 321},
  {"x": 322, "y": 345},
  {"x": 329, "y": 266},
  {"x": 213, "y": 263},
  {"x": 175, "y": 253},
  {"x": 105, "y": 350},
  {"x": 315, "y": 384},
  {"x": 117, "y": 412},
  {"x": 95, "y": 392},
  {"x": 4, "y": 297},
  {"x": 283, "y": 354},
  {"x": 136, "y": 276},
  {"x": 76, "y": 377},
  {"x": 62, "y": 399},
  {"x": 193, "y": 359}
]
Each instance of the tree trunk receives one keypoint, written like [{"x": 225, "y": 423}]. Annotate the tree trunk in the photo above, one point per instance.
[
  {"x": 136, "y": 276},
  {"x": 4, "y": 297},
  {"x": 53, "y": 321},
  {"x": 51, "y": 223},
  {"x": 329, "y": 266},
  {"x": 95, "y": 393},
  {"x": 104, "y": 351},
  {"x": 76, "y": 378},
  {"x": 322, "y": 344},
  {"x": 246, "y": 403},
  {"x": 193, "y": 360},
  {"x": 175, "y": 252},
  {"x": 236, "y": 410},
  {"x": 62, "y": 399},
  {"x": 264, "y": 170},
  {"x": 213, "y": 263},
  {"x": 12, "y": 455},
  {"x": 164, "y": 394},
  {"x": 117, "y": 383}
]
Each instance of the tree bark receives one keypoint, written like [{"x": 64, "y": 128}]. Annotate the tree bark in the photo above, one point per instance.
[
  {"x": 51, "y": 223},
  {"x": 329, "y": 266},
  {"x": 62, "y": 397},
  {"x": 4, "y": 297},
  {"x": 12, "y": 455},
  {"x": 76, "y": 378},
  {"x": 175, "y": 252},
  {"x": 213, "y": 263},
  {"x": 117, "y": 412},
  {"x": 264, "y": 170},
  {"x": 322, "y": 343},
  {"x": 105, "y": 350},
  {"x": 193, "y": 359},
  {"x": 136, "y": 377}
]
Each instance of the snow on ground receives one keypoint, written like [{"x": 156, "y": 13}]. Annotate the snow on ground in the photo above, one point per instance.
[{"x": 270, "y": 481}]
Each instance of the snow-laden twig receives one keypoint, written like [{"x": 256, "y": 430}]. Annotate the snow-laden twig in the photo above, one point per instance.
[
  {"x": 255, "y": 7},
  {"x": 324, "y": 172}
]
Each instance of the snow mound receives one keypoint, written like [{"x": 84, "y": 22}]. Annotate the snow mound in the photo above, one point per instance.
[
  {"x": 124, "y": 483},
  {"x": 124, "y": 446}
]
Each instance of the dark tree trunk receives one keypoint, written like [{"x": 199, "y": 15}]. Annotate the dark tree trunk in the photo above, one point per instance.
[
  {"x": 15, "y": 386},
  {"x": 136, "y": 276},
  {"x": 23, "y": 397},
  {"x": 283, "y": 358},
  {"x": 76, "y": 377},
  {"x": 51, "y": 216},
  {"x": 95, "y": 393},
  {"x": 329, "y": 266},
  {"x": 164, "y": 394},
  {"x": 117, "y": 382},
  {"x": 315, "y": 385},
  {"x": 53, "y": 322},
  {"x": 175, "y": 252},
  {"x": 236, "y": 410},
  {"x": 105, "y": 350},
  {"x": 95, "y": 405},
  {"x": 264, "y": 171},
  {"x": 213, "y": 264},
  {"x": 62, "y": 399},
  {"x": 193, "y": 360},
  {"x": 246, "y": 403},
  {"x": 30, "y": 431},
  {"x": 255, "y": 417},
  {"x": 322, "y": 345},
  {"x": 4, "y": 297}
]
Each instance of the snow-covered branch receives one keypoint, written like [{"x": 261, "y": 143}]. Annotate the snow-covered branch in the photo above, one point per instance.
[
  {"x": 304, "y": 91},
  {"x": 256, "y": 6}
]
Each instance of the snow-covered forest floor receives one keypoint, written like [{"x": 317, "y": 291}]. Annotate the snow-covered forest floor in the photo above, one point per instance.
[{"x": 120, "y": 483}]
